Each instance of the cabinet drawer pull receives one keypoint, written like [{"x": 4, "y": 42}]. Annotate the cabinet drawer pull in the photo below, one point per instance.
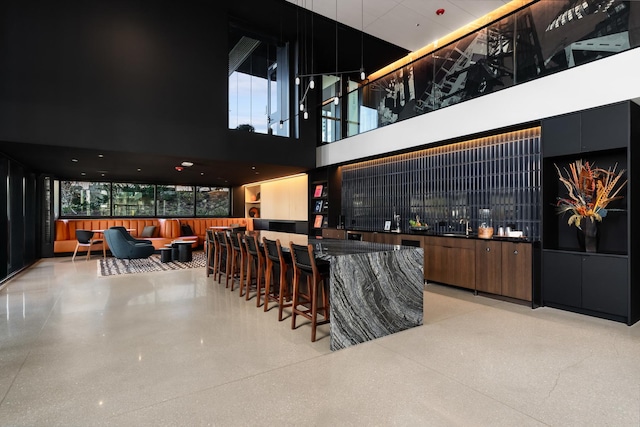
[{"x": 515, "y": 252}]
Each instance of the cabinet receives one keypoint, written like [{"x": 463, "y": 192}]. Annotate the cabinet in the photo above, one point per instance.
[
  {"x": 252, "y": 201},
  {"x": 593, "y": 283},
  {"x": 489, "y": 267},
  {"x": 517, "y": 270},
  {"x": 450, "y": 260},
  {"x": 504, "y": 268},
  {"x": 598, "y": 284},
  {"x": 334, "y": 233},
  {"x": 583, "y": 132},
  {"x": 387, "y": 238}
]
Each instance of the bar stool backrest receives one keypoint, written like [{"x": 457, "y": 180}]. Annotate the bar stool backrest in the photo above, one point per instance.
[
  {"x": 252, "y": 245},
  {"x": 235, "y": 241},
  {"x": 271, "y": 249},
  {"x": 303, "y": 257},
  {"x": 222, "y": 238}
]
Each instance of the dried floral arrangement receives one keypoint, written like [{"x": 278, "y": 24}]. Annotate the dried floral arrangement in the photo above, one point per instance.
[{"x": 590, "y": 190}]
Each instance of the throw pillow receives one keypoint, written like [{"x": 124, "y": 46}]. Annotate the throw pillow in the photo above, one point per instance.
[
  {"x": 185, "y": 230},
  {"x": 148, "y": 231}
]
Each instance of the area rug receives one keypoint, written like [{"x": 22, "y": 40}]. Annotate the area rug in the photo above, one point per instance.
[{"x": 114, "y": 266}]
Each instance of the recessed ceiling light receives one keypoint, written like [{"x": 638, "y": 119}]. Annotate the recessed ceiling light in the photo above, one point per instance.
[
  {"x": 187, "y": 164},
  {"x": 74, "y": 160},
  {"x": 101, "y": 155},
  {"x": 139, "y": 169},
  {"x": 201, "y": 173},
  {"x": 82, "y": 173},
  {"x": 102, "y": 174}
]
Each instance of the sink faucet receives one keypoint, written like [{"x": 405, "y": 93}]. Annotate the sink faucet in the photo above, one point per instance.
[
  {"x": 396, "y": 218},
  {"x": 465, "y": 221}
]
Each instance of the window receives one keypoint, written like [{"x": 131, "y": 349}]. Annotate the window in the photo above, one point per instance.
[
  {"x": 175, "y": 200},
  {"x": 258, "y": 85},
  {"x": 122, "y": 199},
  {"x": 85, "y": 198},
  {"x": 133, "y": 199},
  {"x": 212, "y": 201},
  {"x": 331, "y": 120}
]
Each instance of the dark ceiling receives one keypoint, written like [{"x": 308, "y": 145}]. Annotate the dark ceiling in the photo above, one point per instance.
[
  {"x": 57, "y": 89},
  {"x": 105, "y": 165}
]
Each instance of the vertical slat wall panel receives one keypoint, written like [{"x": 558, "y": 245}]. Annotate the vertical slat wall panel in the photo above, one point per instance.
[{"x": 444, "y": 185}]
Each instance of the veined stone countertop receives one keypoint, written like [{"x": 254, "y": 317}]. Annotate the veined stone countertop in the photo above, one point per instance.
[
  {"x": 327, "y": 248},
  {"x": 375, "y": 289}
]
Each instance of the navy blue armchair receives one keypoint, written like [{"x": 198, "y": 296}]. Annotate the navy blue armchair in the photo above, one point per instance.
[
  {"x": 123, "y": 248},
  {"x": 128, "y": 235}
]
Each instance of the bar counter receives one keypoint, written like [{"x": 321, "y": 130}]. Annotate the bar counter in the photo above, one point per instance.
[{"x": 376, "y": 289}]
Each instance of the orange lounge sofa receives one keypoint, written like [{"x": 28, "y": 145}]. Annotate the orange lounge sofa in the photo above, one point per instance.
[{"x": 166, "y": 229}]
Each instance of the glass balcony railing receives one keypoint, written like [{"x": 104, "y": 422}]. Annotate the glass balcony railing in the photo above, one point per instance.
[{"x": 538, "y": 40}]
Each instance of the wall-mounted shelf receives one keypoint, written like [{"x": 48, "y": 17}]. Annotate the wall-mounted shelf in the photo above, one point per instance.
[{"x": 252, "y": 201}]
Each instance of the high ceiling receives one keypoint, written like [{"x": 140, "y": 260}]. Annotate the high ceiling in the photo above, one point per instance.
[{"x": 410, "y": 24}]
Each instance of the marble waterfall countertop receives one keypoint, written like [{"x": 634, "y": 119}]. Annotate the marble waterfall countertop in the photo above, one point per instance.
[{"x": 376, "y": 289}]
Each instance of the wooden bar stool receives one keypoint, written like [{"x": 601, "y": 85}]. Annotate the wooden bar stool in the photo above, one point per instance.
[
  {"x": 255, "y": 262},
  {"x": 238, "y": 259},
  {"x": 212, "y": 252},
  {"x": 224, "y": 259},
  {"x": 276, "y": 261},
  {"x": 317, "y": 278}
]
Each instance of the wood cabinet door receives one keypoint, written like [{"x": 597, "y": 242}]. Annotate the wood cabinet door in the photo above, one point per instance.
[
  {"x": 516, "y": 270},
  {"x": 488, "y": 259},
  {"x": 462, "y": 267},
  {"x": 435, "y": 264}
]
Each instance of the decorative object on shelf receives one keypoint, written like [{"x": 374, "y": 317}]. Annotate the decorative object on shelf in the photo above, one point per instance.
[
  {"x": 254, "y": 212},
  {"x": 590, "y": 190}
]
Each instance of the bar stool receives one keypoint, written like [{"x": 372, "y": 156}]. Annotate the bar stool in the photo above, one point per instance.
[
  {"x": 255, "y": 262},
  {"x": 212, "y": 251},
  {"x": 222, "y": 254},
  {"x": 275, "y": 258},
  {"x": 238, "y": 258},
  {"x": 304, "y": 265}
]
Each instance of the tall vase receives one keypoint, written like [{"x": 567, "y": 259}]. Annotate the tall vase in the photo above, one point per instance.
[{"x": 588, "y": 235}]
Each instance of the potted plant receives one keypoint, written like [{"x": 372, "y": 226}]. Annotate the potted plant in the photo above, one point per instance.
[{"x": 590, "y": 190}]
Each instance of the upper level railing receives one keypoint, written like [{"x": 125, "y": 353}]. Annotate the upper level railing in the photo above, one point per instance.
[{"x": 538, "y": 40}]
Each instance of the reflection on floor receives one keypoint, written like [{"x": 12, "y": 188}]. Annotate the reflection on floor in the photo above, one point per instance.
[{"x": 177, "y": 348}]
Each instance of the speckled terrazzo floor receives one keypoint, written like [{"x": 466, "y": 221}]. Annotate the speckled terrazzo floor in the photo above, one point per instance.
[{"x": 177, "y": 348}]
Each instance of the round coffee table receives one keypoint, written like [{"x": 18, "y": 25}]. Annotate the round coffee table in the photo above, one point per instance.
[{"x": 184, "y": 249}]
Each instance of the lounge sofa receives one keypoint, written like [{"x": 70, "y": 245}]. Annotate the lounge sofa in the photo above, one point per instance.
[{"x": 166, "y": 229}]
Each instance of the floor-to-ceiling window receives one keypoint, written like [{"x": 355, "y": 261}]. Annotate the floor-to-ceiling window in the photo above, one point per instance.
[{"x": 258, "y": 85}]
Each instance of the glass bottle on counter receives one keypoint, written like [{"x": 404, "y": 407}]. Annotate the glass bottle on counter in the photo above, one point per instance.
[{"x": 485, "y": 229}]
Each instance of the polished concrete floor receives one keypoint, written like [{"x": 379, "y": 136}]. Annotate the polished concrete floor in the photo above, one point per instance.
[{"x": 178, "y": 349}]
